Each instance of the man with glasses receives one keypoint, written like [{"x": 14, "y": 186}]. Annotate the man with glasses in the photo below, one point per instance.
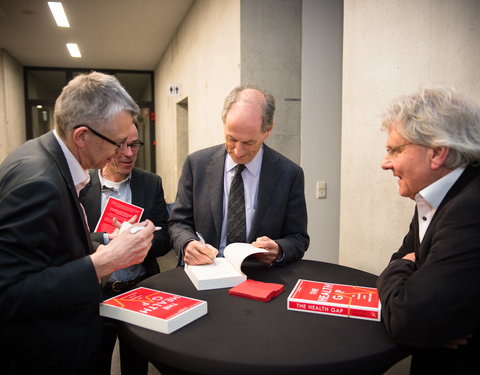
[
  {"x": 49, "y": 272},
  {"x": 430, "y": 290},
  {"x": 122, "y": 180}
]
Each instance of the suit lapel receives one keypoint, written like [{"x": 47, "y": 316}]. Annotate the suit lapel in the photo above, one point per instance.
[
  {"x": 51, "y": 145},
  {"x": 93, "y": 200},
  {"x": 136, "y": 185},
  {"x": 214, "y": 176},
  {"x": 269, "y": 176},
  {"x": 465, "y": 178}
]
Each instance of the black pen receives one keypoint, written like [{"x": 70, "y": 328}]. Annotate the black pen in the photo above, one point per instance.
[{"x": 202, "y": 240}]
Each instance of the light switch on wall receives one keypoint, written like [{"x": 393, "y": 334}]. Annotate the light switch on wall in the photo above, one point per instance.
[{"x": 321, "y": 192}]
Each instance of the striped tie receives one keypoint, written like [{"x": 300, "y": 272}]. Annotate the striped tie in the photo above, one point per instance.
[{"x": 236, "y": 222}]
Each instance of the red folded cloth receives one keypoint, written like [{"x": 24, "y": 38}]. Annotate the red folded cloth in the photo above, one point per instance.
[{"x": 257, "y": 290}]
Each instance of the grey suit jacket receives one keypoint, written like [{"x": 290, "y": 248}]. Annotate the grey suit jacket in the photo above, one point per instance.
[
  {"x": 147, "y": 192},
  {"x": 437, "y": 299},
  {"x": 281, "y": 212},
  {"x": 49, "y": 291}
]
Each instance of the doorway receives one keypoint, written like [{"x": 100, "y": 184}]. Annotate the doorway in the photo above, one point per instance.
[{"x": 44, "y": 85}]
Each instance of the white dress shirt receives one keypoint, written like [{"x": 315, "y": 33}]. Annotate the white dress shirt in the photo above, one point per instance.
[
  {"x": 80, "y": 176},
  {"x": 429, "y": 198},
  {"x": 251, "y": 180}
]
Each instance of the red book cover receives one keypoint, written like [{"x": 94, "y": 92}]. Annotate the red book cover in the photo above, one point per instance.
[
  {"x": 153, "y": 309},
  {"x": 123, "y": 211},
  {"x": 335, "y": 299}
]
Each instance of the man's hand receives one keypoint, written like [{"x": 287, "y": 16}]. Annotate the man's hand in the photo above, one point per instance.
[
  {"x": 455, "y": 344},
  {"x": 197, "y": 253},
  {"x": 410, "y": 256},
  {"x": 123, "y": 251},
  {"x": 114, "y": 234},
  {"x": 274, "y": 251}
]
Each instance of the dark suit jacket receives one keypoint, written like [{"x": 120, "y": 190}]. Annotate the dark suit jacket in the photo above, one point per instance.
[
  {"x": 147, "y": 192},
  {"x": 49, "y": 291},
  {"x": 281, "y": 212},
  {"x": 436, "y": 299}
]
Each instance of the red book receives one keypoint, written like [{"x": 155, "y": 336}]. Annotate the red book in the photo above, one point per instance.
[
  {"x": 335, "y": 299},
  {"x": 123, "y": 211},
  {"x": 257, "y": 290},
  {"x": 152, "y": 309}
]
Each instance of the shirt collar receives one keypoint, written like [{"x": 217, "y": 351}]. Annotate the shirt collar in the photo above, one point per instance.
[
  {"x": 80, "y": 176},
  {"x": 434, "y": 193},
  {"x": 253, "y": 166},
  {"x": 112, "y": 184}
]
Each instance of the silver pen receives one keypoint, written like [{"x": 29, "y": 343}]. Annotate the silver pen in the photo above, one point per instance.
[{"x": 202, "y": 240}]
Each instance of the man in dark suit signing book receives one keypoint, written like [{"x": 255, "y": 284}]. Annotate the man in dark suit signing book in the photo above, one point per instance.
[
  {"x": 269, "y": 209},
  {"x": 122, "y": 180},
  {"x": 49, "y": 273}
]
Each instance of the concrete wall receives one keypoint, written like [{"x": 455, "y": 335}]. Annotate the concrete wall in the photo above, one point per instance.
[
  {"x": 271, "y": 47},
  {"x": 390, "y": 49},
  {"x": 220, "y": 45},
  {"x": 322, "y": 122},
  {"x": 204, "y": 59},
  {"x": 12, "y": 104}
]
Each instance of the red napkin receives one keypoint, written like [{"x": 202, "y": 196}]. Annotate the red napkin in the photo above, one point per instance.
[{"x": 257, "y": 290}]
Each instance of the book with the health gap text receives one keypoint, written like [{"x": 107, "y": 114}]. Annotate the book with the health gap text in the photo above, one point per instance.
[
  {"x": 153, "y": 309},
  {"x": 335, "y": 299}
]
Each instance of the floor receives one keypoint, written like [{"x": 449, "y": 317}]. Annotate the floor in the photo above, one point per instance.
[{"x": 166, "y": 263}]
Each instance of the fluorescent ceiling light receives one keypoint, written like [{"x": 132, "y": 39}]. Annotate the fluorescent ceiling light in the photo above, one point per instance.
[
  {"x": 74, "y": 50},
  {"x": 56, "y": 8}
]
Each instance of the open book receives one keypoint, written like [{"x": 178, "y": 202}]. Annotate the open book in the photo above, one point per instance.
[{"x": 225, "y": 272}]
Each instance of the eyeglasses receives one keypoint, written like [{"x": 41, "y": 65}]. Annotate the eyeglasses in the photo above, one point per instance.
[
  {"x": 394, "y": 151},
  {"x": 117, "y": 145},
  {"x": 135, "y": 146}
]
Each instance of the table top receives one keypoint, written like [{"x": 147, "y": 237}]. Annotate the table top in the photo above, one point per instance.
[{"x": 242, "y": 336}]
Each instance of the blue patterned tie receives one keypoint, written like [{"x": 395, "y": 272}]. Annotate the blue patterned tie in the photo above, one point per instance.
[{"x": 236, "y": 222}]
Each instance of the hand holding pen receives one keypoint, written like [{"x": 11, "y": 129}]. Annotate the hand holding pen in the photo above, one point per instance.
[{"x": 206, "y": 249}]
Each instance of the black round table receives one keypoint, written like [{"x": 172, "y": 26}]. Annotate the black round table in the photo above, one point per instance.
[{"x": 242, "y": 336}]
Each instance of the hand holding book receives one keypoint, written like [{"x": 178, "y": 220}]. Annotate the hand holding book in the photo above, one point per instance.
[{"x": 274, "y": 250}]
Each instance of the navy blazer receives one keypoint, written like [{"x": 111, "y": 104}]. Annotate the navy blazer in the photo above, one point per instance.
[
  {"x": 147, "y": 192},
  {"x": 281, "y": 212},
  {"x": 437, "y": 299},
  {"x": 49, "y": 291}
]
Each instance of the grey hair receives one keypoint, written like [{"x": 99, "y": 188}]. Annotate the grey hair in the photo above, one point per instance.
[
  {"x": 268, "y": 108},
  {"x": 438, "y": 116},
  {"x": 91, "y": 99}
]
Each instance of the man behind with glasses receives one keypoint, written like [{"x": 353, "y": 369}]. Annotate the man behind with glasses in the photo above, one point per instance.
[{"x": 122, "y": 180}]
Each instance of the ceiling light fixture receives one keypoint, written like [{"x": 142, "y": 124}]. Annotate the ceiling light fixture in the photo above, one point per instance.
[
  {"x": 74, "y": 50},
  {"x": 56, "y": 8}
]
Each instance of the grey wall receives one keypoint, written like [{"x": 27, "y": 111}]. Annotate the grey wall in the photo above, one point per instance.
[
  {"x": 204, "y": 60},
  {"x": 271, "y": 47},
  {"x": 322, "y": 122},
  {"x": 220, "y": 45},
  {"x": 12, "y": 107}
]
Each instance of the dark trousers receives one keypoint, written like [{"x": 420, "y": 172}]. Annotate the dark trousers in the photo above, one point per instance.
[{"x": 464, "y": 360}]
